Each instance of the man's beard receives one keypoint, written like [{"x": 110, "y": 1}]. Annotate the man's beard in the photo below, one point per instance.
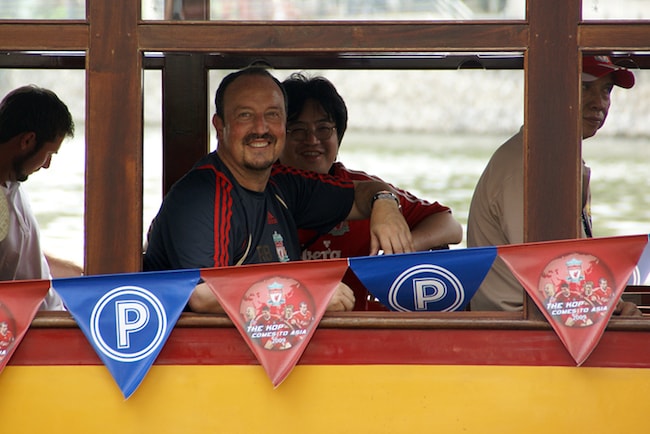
[
  {"x": 19, "y": 164},
  {"x": 18, "y": 170},
  {"x": 259, "y": 165}
]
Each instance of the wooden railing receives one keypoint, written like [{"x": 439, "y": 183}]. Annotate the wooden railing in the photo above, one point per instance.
[
  {"x": 639, "y": 294},
  {"x": 117, "y": 46}
]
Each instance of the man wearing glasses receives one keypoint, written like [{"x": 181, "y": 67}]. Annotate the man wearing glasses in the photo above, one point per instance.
[{"x": 316, "y": 121}]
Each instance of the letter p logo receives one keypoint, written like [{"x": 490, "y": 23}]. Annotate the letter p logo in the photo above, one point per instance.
[
  {"x": 428, "y": 291},
  {"x": 128, "y": 323},
  {"x": 131, "y": 316},
  {"x": 426, "y": 287}
]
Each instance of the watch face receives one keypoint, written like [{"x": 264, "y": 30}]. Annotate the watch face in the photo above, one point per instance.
[{"x": 386, "y": 195}]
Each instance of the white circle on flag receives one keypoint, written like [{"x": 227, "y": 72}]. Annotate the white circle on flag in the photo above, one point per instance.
[{"x": 103, "y": 303}]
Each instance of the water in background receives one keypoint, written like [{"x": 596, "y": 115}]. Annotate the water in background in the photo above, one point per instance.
[
  {"x": 429, "y": 132},
  {"x": 446, "y": 168},
  {"x": 435, "y": 167}
]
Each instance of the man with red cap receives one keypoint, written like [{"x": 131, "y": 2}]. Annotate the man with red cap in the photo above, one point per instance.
[{"x": 496, "y": 213}]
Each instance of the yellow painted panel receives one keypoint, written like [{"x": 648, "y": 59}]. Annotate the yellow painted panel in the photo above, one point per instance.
[{"x": 326, "y": 399}]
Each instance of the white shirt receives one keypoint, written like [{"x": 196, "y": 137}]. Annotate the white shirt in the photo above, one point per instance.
[{"x": 21, "y": 256}]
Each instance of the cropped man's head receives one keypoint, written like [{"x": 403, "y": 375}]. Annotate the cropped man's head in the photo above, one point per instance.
[
  {"x": 599, "y": 76},
  {"x": 34, "y": 109},
  {"x": 595, "y": 67},
  {"x": 228, "y": 79},
  {"x": 250, "y": 122},
  {"x": 33, "y": 123},
  {"x": 301, "y": 88}
]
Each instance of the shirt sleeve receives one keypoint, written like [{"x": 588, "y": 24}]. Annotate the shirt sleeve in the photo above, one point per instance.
[
  {"x": 414, "y": 209},
  {"x": 183, "y": 234},
  {"x": 317, "y": 202}
]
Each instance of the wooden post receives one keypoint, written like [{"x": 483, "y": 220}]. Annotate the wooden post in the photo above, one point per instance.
[
  {"x": 553, "y": 129},
  {"x": 113, "y": 217}
]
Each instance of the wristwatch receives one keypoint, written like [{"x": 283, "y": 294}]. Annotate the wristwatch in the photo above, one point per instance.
[{"x": 385, "y": 194}]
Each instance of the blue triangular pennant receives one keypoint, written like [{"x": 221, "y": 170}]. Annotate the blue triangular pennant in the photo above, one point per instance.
[
  {"x": 128, "y": 317},
  {"x": 436, "y": 281}
]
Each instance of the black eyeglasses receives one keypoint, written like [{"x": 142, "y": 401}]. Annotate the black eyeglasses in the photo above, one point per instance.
[{"x": 321, "y": 132}]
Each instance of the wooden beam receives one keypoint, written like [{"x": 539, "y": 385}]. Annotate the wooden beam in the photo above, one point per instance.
[
  {"x": 551, "y": 115},
  {"x": 185, "y": 100},
  {"x": 288, "y": 37},
  {"x": 50, "y": 35},
  {"x": 614, "y": 36},
  {"x": 114, "y": 133},
  {"x": 185, "y": 114},
  {"x": 552, "y": 156}
]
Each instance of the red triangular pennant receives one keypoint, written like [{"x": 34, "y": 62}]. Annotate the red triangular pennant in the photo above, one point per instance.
[
  {"x": 576, "y": 283},
  {"x": 276, "y": 307},
  {"x": 19, "y": 302}
]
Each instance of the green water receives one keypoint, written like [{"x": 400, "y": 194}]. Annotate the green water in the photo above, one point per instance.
[
  {"x": 434, "y": 167},
  {"x": 446, "y": 168}
]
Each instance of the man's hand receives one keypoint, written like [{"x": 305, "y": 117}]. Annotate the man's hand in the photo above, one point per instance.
[
  {"x": 203, "y": 300},
  {"x": 627, "y": 308},
  {"x": 388, "y": 229},
  {"x": 342, "y": 300},
  {"x": 62, "y": 267}
]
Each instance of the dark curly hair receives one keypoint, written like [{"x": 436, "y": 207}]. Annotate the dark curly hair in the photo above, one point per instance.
[
  {"x": 34, "y": 109},
  {"x": 300, "y": 88}
]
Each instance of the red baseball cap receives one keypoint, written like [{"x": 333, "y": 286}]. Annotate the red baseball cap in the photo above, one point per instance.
[{"x": 594, "y": 67}]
